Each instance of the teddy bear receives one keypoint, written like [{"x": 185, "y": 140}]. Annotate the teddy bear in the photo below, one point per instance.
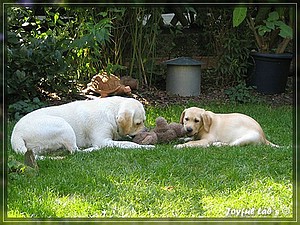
[{"x": 162, "y": 133}]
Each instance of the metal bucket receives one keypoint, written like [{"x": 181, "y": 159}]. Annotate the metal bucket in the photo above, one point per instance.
[{"x": 183, "y": 76}]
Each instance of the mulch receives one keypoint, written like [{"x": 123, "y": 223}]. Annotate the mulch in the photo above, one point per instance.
[{"x": 156, "y": 97}]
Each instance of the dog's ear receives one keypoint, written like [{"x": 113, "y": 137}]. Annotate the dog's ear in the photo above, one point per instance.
[
  {"x": 182, "y": 117},
  {"x": 124, "y": 120},
  {"x": 206, "y": 119}
]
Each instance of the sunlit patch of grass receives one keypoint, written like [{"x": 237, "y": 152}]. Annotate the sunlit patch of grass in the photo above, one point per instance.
[{"x": 259, "y": 198}]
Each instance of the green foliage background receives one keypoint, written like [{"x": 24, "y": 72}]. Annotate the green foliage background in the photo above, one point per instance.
[{"x": 57, "y": 49}]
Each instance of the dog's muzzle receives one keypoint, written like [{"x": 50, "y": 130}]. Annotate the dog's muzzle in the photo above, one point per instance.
[{"x": 189, "y": 129}]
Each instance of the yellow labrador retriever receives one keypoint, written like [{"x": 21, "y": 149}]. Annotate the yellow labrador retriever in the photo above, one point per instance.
[
  {"x": 232, "y": 129},
  {"x": 92, "y": 124}
]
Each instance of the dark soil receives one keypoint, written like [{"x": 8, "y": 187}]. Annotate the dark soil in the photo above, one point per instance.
[{"x": 157, "y": 97}]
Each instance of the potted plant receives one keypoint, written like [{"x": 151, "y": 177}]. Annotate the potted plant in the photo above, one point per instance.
[{"x": 272, "y": 30}]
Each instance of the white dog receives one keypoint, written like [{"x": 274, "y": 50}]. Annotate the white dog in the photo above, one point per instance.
[
  {"x": 232, "y": 129},
  {"x": 89, "y": 124}
]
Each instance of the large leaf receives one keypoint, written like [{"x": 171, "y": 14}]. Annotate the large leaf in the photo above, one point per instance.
[
  {"x": 263, "y": 29},
  {"x": 270, "y": 25},
  {"x": 285, "y": 30},
  {"x": 273, "y": 16},
  {"x": 239, "y": 14}
]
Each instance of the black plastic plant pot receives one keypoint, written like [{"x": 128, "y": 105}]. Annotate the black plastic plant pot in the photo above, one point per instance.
[{"x": 270, "y": 72}]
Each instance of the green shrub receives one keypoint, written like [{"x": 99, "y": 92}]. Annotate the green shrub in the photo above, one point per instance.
[
  {"x": 36, "y": 66},
  {"x": 54, "y": 52},
  {"x": 231, "y": 46},
  {"x": 22, "y": 107},
  {"x": 241, "y": 94}
]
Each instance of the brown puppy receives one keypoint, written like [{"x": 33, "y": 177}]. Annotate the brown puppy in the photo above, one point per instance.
[{"x": 209, "y": 128}]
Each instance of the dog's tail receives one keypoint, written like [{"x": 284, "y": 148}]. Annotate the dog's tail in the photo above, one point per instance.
[
  {"x": 271, "y": 144},
  {"x": 18, "y": 143}
]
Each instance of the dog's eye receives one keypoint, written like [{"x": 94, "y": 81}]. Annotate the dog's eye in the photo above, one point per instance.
[
  {"x": 186, "y": 119},
  {"x": 197, "y": 121},
  {"x": 138, "y": 124}
]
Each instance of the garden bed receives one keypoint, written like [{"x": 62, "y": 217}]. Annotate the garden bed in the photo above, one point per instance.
[{"x": 209, "y": 93}]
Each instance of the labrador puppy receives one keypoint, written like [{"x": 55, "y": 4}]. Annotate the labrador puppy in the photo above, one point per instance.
[
  {"x": 91, "y": 124},
  {"x": 209, "y": 128}
]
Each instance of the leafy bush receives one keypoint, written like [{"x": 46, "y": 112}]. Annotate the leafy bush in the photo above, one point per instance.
[
  {"x": 241, "y": 94},
  {"x": 53, "y": 53},
  {"x": 17, "y": 170},
  {"x": 231, "y": 46},
  {"x": 91, "y": 32},
  {"x": 22, "y": 107},
  {"x": 35, "y": 66},
  {"x": 233, "y": 62}
]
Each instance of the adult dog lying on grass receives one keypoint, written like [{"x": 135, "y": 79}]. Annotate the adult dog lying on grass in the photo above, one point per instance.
[
  {"x": 233, "y": 129},
  {"x": 92, "y": 124}
]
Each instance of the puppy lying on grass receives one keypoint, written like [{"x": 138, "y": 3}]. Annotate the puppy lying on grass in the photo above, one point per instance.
[{"x": 232, "y": 129}]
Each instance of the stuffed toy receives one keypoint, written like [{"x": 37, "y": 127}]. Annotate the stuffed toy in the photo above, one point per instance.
[{"x": 162, "y": 133}]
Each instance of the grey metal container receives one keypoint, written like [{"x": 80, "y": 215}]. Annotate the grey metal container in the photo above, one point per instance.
[{"x": 183, "y": 76}]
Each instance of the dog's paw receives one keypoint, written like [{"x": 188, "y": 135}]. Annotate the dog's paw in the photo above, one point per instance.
[
  {"x": 147, "y": 146},
  {"x": 218, "y": 144},
  {"x": 180, "y": 146},
  {"x": 73, "y": 150},
  {"x": 90, "y": 149},
  {"x": 185, "y": 139}
]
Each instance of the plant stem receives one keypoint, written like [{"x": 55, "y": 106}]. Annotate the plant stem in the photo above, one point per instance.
[
  {"x": 258, "y": 39},
  {"x": 282, "y": 46}
]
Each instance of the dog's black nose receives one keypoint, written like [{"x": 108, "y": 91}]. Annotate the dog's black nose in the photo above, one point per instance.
[{"x": 189, "y": 129}]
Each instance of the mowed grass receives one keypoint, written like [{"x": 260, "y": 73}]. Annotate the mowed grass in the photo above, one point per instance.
[{"x": 214, "y": 182}]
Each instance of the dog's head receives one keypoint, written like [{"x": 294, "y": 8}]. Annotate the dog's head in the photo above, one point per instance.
[
  {"x": 195, "y": 121},
  {"x": 130, "y": 118}
]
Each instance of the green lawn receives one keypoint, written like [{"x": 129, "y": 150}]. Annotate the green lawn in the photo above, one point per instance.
[{"x": 251, "y": 181}]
